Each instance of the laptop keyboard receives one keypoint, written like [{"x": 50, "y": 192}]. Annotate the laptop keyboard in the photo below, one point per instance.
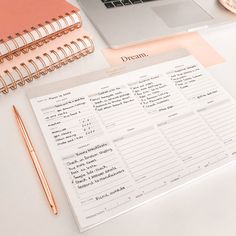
[{"x": 121, "y": 3}]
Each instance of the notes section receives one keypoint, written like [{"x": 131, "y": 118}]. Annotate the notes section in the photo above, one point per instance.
[
  {"x": 149, "y": 159},
  {"x": 222, "y": 120},
  {"x": 193, "y": 142}
]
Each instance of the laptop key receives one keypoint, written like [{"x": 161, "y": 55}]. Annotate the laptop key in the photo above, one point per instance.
[
  {"x": 109, "y": 5},
  {"x": 135, "y": 1},
  {"x": 148, "y": 0},
  {"x": 118, "y": 4},
  {"x": 126, "y": 2}
]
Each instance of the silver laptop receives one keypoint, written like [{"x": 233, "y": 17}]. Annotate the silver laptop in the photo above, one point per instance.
[{"x": 125, "y": 22}]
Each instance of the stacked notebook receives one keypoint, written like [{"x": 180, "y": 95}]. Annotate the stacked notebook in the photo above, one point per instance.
[{"x": 37, "y": 37}]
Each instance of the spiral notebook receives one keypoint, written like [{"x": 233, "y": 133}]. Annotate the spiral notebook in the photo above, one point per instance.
[
  {"x": 124, "y": 136},
  {"x": 27, "y": 24},
  {"x": 39, "y": 62}
]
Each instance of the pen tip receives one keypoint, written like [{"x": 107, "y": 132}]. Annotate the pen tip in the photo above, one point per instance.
[{"x": 54, "y": 210}]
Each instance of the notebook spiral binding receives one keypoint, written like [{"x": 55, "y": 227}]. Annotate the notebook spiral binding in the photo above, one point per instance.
[
  {"x": 41, "y": 39},
  {"x": 31, "y": 70}
]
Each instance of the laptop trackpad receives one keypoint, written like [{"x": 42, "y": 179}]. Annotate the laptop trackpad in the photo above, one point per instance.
[{"x": 182, "y": 13}]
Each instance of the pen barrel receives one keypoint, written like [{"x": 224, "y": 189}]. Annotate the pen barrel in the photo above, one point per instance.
[
  {"x": 43, "y": 180},
  {"x": 35, "y": 161}
]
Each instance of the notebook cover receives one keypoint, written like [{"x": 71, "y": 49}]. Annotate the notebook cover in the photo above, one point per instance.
[{"x": 17, "y": 16}]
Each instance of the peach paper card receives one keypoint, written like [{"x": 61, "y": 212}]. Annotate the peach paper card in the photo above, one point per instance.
[{"x": 192, "y": 42}]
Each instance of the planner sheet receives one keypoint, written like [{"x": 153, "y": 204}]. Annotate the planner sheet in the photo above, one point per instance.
[{"x": 122, "y": 140}]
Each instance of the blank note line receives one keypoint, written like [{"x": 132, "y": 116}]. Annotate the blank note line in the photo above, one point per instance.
[
  {"x": 128, "y": 124},
  {"x": 207, "y": 158},
  {"x": 141, "y": 141},
  {"x": 227, "y": 132},
  {"x": 141, "y": 147},
  {"x": 150, "y": 177},
  {"x": 225, "y": 126},
  {"x": 152, "y": 154},
  {"x": 137, "y": 139},
  {"x": 220, "y": 110},
  {"x": 144, "y": 150},
  {"x": 91, "y": 208},
  {"x": 193, "y": 141},
  {"x": 182, "y": 131},
  {"x": 183, "y": 122},
  {"x": 156, "y": 180},
  {"x": 160, "y": 167},
  {"x": 204, "y": 145},
  {"x": 196, "y": 157},
  {"x": 196, "y": 135},
  {"x": 219, "y": 120},
  {"x": 157, "y": 161},
  {"x": 117, "y": 116}
]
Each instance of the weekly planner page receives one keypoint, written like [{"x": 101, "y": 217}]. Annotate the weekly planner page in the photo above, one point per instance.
[{"x": 121, "y": 141}]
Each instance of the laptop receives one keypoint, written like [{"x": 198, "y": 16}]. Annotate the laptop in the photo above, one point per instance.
[{"x": 128, "y": 22}]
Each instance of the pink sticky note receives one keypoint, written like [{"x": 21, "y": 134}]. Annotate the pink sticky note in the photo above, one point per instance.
[{"x": 193, "y": 42}]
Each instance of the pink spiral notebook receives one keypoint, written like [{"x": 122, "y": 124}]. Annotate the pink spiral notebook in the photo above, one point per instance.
[{"x": 27, "y": 24}]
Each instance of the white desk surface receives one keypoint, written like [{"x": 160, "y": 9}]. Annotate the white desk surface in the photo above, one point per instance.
[{"x": 205, "y": 207}]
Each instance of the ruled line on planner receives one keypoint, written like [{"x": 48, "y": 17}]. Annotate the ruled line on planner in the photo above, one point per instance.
[
  {"x": 144, "y": 150},
  {"x": 115, "y": 115},
  {"x": 88, "y": 209},
  {"x": 205, "y": 87},
  {"x": 149, "y": 143},
  {"x": 186, "y": 123},
  {"x": 207, "y": 158},
  {"x": 138, "y": 139},
  {"x": 183, "y": 138},
  {"x": 152, "y": 165},
  {"x": 132, "y": 123},
  {"x": 196, "y": 157},
  {"x": 229, "y": 132},
  {"x": 201, "y": 150},
  {"x": 218, "y": 110},
  {"x": 226, "y": 126},
  {"x": 155, "y": 158},
  {"x": 141, "y": 140},
  {"x": 194, "y": 141},
  {"x": 172, "y": 128},
  {"x": 218, "y": 120},
  {"x": 125, "y": 118},
  {"x": 158, "y": 173},
  {"x": 157, "y": 180},
  {"x": 194, "y": 147},
  {"x": 176, "y": 133}
]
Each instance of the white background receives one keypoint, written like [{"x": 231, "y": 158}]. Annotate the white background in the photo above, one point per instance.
[{"x": 205, "y": 207}]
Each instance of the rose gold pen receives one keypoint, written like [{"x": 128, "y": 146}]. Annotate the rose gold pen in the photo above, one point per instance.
[{"x": 36, "y": 162}]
